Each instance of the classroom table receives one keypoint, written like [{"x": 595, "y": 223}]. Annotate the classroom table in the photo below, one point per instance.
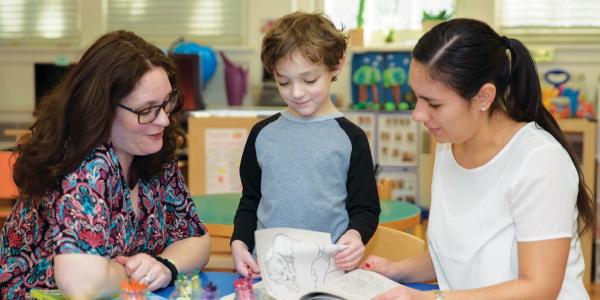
[
  {"x": 224, "y": 282},
  {"x": 219, "y": 209}
]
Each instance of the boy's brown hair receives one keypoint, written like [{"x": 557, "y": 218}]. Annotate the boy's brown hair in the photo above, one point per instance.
[{"x": 312, "y": 35}]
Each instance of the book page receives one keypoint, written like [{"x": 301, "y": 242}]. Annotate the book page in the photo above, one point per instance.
[
  {"x": 295, "y": 261},
  {"x": 356, "y": 285}
]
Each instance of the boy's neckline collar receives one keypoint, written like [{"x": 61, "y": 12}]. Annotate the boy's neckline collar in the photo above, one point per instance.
[{"x": 295, "y": 118}]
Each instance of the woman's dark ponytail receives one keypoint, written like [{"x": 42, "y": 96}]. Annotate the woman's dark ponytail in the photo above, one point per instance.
[{"x": 524, "y": 104}]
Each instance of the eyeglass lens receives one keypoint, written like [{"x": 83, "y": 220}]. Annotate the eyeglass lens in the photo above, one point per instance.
[{"x": 150, "y": 114}]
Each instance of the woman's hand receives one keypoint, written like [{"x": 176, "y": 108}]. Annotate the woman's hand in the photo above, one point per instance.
[
  {"x": 145, "y": 269},
  {"x": 349, "y": 258},
  {"x": 402, "y": 293},
  {"x": 242, "y": 259},
  {"x": 381, "y": 265}
]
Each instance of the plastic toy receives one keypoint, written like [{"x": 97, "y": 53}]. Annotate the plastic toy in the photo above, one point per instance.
[
  {"x": 208, "y": 59},
  {"x": 236, "y": 81},
  {"x": 563, "y": 100}
]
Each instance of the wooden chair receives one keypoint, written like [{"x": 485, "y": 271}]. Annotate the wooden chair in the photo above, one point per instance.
[
  {"x": 394, "y": 244},
  {"x": 220, "y": 251},
  {"x": 8, "y": 188}
]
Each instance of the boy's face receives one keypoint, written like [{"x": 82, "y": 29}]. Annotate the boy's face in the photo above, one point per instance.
[{"x": 304, "y": 86}]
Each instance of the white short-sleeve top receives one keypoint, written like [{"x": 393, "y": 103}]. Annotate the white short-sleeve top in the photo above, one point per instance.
[{"x": 527, "y": 192}]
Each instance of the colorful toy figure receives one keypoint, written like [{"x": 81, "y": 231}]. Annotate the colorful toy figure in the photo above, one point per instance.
[
  {"x": 133, "y": 290},
  {"x": 565, "y": 101}
]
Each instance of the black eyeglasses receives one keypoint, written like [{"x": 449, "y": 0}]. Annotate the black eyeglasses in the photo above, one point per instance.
[{"x": 150, "y": 113}]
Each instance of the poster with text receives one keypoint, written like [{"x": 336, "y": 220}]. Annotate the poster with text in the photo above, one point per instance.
[{"x": 224, "y": 147}]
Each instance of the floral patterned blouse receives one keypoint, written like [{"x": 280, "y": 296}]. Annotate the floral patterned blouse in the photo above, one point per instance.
[{"x": 91, "y": 212}]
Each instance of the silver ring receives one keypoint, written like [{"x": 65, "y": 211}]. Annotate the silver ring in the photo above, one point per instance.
[{"x": 148, "y": 278}]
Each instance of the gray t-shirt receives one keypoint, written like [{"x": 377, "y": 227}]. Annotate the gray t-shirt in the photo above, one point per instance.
[{"x": 309, "y": 173}]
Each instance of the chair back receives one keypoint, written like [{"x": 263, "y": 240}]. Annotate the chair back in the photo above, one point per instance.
[
  {"x": 394, "y": 244},
  {"x": 220, "y": 259},
  {"x": 8, "y": 188}
]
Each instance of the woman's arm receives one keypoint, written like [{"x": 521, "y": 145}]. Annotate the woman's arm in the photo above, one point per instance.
[
  {"x": 188, "y": 254},
  {"x": 542, "y": 266},
  {"x": 362, "y": 202},
  {"x": 245, "y": 219},
  {"x": 418, "y": 268},
  {"x": 100, "y": 278}
]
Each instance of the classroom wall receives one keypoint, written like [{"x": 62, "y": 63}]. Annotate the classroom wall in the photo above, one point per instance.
[
  {"x": 16, "y": 64},
  {"x": 17, "y": 95}
]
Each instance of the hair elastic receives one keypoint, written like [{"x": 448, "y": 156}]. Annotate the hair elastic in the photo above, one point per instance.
[{"x": 506, "y": 42}]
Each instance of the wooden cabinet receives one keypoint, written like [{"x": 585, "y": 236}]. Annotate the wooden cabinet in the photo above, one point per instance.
[
  {"x": 216, "y": 141},
  {"x": 8, "y": 189},
  {"x": 581, "y": 134}
]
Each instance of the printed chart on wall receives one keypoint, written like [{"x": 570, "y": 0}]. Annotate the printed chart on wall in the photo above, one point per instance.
[
  {"x": 397, "y": 142},
  {"x": 224, "y": 147}
]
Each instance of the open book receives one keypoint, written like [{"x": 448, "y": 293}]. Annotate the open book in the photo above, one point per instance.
[
  {"x": 356, "y": 285},
  {"x": 300, "y": 264}
]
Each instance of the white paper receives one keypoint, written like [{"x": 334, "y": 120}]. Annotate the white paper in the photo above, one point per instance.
[
  {"x": 300, "y": 264},
  {"x": 294, "y": 262},
  {"x": 358, "y": 284}
]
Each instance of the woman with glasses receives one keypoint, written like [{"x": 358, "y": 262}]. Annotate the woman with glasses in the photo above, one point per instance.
[{"x": 101, "y": 198}]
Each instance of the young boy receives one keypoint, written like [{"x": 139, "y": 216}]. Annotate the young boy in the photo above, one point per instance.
[{"x": 306, "y": 167}]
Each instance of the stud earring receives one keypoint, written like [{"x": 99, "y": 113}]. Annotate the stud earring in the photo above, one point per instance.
[{"x": 483, "y": 108}]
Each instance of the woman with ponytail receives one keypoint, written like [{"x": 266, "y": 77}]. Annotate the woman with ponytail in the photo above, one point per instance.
[{"x": 508, "y": 196}]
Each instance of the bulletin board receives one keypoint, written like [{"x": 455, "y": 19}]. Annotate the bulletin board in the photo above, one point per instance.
[{"x": 215, "y": 146}]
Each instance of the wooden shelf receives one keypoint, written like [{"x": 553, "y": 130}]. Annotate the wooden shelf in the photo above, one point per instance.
[{"x": 581, "y": 133}]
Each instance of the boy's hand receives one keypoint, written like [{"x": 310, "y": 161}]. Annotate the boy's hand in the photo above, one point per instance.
[
  {"x": 349, "y": 258},
  {"x": 242, "y": 259}
]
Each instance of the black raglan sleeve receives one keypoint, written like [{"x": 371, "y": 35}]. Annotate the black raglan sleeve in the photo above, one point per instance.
[
  {"x": 363, "y": 201},
  {"x": 244, "y": 222}
]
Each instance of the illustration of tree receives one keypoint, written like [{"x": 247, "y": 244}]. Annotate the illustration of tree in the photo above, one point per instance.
[
  {"x": 362, "y": 79},
  {"x": 393, "y": 78}
]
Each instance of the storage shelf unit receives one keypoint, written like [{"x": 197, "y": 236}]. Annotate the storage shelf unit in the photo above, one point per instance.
[{"x": 581, "y": 133}]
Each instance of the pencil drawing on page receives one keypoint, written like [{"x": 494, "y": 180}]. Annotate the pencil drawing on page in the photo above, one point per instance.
[{"x": 294, "y": 261}]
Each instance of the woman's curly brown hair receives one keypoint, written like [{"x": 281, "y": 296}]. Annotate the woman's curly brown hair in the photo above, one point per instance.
[{"x": 77, "y": 115}]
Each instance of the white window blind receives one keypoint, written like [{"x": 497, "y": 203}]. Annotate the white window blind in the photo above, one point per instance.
[
  {"x": 31, "y": 22},
  {"x": 550, "y": 16},
  {"x": 384, "y": 14},
  {"x": 162, "y": 22}
]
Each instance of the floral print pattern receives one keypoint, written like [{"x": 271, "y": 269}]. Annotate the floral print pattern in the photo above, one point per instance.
[{"x": 92, "y": 213}]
